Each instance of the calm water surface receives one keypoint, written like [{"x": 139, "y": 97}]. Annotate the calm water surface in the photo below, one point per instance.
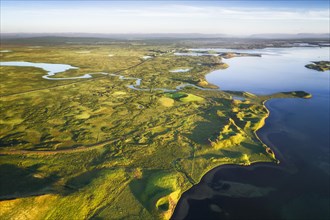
[
  {"x": 50, "y": 68},
  {"x": 297, "y": 130}
]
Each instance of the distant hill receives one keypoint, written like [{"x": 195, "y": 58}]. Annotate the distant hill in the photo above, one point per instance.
[
  {"x": 291, "y": 36},
  {"x": 133, "y": 36}
]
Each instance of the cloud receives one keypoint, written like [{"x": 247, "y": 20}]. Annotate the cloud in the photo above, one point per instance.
[
  {"x": 178, "y": 11},
  {"x": 163, "y": 17}
]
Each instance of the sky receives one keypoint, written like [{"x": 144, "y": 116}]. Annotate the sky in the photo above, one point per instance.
[{"x": 206, "y": 17}]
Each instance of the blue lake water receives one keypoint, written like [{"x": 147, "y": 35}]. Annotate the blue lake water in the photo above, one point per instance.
[
  {"x": 278, "y": 70},
  {"x": 297, "y": 130},
  {"x": 50, "y": 68}
]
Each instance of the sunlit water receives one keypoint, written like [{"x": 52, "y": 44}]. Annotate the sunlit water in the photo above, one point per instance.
[
  {"x": 50, "y": 68},
  {"x": 278, "y": 70},
  {"x": 180, "y": 70},
  {"x": 297, "y": 130}
]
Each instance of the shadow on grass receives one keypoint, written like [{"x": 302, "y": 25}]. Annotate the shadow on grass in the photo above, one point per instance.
[
  {"x": 209, "y": 128},
  {"x": 17, "y": 182},
  {"x": 231, "y": 154},
  {"x": 147, "y": 192},
  {"x": 76, "y": 183},
  {"x": 252, "y": 148}
]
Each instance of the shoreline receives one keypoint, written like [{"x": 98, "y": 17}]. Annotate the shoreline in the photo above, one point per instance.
[
  {"x": 261, "y": 125},
  {"x": 288, "y": 171},
  {"x": 273, "y": 150},
  {"x": 209, "y": 174}
]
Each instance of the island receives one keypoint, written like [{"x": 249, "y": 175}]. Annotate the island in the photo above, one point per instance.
[{"x": 319, "y": 65}]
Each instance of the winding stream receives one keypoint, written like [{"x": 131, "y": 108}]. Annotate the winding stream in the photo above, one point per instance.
[{"x": 53, "y": 69}]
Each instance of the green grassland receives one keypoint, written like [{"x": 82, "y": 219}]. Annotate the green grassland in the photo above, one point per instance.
[{"x": 93, "y": 148}]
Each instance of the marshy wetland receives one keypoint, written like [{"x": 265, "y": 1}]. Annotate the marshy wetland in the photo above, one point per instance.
[{"x": 124, "y": 136}]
